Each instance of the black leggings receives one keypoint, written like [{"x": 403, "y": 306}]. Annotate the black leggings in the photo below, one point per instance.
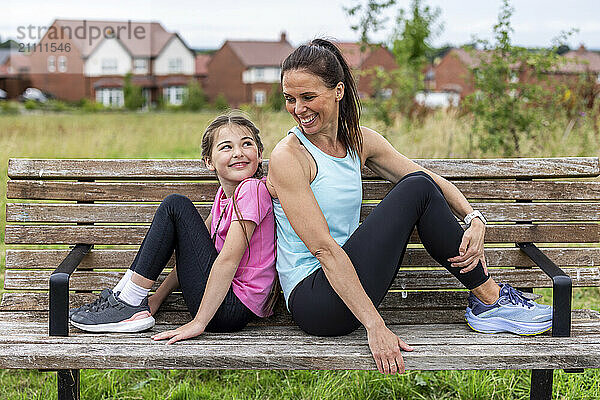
[
  {"x": 178, "y": 226},
  {"x": 376, "y": 250}
]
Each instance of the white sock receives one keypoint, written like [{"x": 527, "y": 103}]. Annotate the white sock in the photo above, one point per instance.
[
  {"x": 133, "y": 294},
  {"x": 123, "y": 281}
]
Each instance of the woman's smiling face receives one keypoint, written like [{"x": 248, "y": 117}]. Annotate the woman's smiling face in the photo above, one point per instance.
[{"x": 312, "y": 104}]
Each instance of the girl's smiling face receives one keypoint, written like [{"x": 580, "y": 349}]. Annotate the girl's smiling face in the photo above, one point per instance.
[
  {"x": 234, "y": 156},
  {"x": 312, "y": 104}
]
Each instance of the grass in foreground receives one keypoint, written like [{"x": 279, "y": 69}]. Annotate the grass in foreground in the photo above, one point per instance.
[{"x": 322, "y": 385}]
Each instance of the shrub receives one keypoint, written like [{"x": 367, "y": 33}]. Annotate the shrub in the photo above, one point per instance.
[
  {"x": 90, "y": 106},
  {"x": 194, "y": 98},
  {"x": 32, "y": 105},
  {"x": 275, "y": 100},
  {"x": 220, "y": 102},
  {"x": 132, "y": 94},
  {"x": 57, "y": 105},
  {"x": 9, "y": 107}
]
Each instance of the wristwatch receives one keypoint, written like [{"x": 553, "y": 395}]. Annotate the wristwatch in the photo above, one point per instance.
[{"x": 475, "y": 214}]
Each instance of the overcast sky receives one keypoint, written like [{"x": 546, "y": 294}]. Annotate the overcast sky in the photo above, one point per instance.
[{"x": 207, "y": 24}]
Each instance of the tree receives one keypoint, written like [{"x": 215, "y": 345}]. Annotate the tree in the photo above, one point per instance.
[
  {"x": 132, "y": 94},
  {"x": 369, "y": 17},
  {"x": 413, "y": 35},
  {"x": 410, "y": 42},
  {"x": 510, "y": 99}
]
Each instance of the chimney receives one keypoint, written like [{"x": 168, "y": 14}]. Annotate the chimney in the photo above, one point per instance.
[{"x": 283, "y": 37}]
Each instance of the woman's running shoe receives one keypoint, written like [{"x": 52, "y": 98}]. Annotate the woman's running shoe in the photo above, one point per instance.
[
  {"x": 114, "y": 315},
  {"x": 512, "y": 312}
]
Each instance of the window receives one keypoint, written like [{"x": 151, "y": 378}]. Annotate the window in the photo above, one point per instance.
[
  {"x": 175, "y": 65},
  {"x": 259, "y": 97},
  {"x": 260, "y": 73},
  {"x": 140, "y": 66},
  {"x": 51, "y": 64},
  {"x": 110, "y": 97},
  {"x": 174, "y": 95},
  {"x": 109, "y": 65},
  {"x": 62, "y": 64}
]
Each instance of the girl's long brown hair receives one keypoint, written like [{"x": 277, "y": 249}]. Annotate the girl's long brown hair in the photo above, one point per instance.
[{"x": 236, "y": 118}]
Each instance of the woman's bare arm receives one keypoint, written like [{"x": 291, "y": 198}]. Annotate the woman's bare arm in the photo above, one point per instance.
[
  {"x": 383, "y": 159},
  {"x": 291, "y": 181}
]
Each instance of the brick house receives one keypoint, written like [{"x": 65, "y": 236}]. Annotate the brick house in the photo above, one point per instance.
[
  {"x": 579, "y": 62},
  {"x": 14, "y": 72},
  {"x": 453, "y": 72},
  {"x": 101, "y": 53},
  {"x": 245, "y": 71},
  {"x": 362, "y": 63},
  {"x": 201, "y": 68}
]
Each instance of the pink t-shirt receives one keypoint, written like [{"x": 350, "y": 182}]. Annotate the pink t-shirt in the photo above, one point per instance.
[{"x": 256, "y": 272}]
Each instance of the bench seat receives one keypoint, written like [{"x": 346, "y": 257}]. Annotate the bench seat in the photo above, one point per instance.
[
  {"x": 543, "y": 232},
  {"x": 24, "y": 343}
]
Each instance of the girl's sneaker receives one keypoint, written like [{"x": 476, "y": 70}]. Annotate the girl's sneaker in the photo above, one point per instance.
[
  {"x": 114, "y": 315},
  {"x": 512, "y": 312},
  {"x": 101, "y": 299}
]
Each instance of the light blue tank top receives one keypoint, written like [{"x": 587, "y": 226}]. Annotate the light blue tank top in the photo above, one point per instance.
[{"x": 338, "y": 190}]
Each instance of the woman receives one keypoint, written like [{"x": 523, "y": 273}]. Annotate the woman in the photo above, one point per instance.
[{"x": 333, "y": 272}]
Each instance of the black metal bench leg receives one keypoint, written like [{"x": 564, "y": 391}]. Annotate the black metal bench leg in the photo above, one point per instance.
[
  {"x": 541, "y": 384},
  {"x": 68, "y": 384}
]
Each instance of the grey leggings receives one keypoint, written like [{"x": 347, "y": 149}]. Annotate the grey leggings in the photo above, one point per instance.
[
  {"x": 376, "y": 250},
  {"x": 178, "y": 226}
]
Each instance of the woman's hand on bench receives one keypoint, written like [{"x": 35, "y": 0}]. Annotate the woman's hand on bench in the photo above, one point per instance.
[
  {"x": 385, "y": 347},
  {"x": 187, "y": 331}
]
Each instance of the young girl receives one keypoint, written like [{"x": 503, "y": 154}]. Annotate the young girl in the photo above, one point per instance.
[{"x": 225, "y": 266}]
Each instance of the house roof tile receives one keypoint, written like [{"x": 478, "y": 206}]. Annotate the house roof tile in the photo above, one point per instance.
[
  {"x": 155, "y": 37},
  {"x": 580, "y": 61},
  {"x": 260, "y": 53},
  {"x": 351, "y": 52}
]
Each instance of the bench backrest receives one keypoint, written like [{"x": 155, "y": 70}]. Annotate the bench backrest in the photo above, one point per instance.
[{"x": 554, "y": 203}]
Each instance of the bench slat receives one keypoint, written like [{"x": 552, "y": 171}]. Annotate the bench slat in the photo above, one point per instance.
[
  {"x": 205, "y": 191},
  {"x": 586, "y": 324},
  {"x": 101, "y": 235},
  {"x": 194, "y": 169},
  {"x": 197, "y": 355},
  {"x": 33, "y": 326},
  {"x": 405, "y": 279},
  {"x": 143, "y": 213},
  {"x": 111, "y": 259},
  {"x": 175, "y": 302}
]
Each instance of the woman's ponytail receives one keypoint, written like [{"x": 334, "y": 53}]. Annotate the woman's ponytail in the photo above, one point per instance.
[{"x": 322, "y": 58}]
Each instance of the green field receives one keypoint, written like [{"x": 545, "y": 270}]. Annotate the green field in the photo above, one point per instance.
[{"x": 177, "y": 135}]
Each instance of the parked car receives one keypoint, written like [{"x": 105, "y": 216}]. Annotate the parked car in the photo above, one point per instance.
[
  {"x": 34, "y": 94},
  {"x": 437, "y": 99},
  {"x": 3, "y": 95}
]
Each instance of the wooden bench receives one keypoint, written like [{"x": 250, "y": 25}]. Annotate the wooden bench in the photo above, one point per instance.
[{"x": 104, "y": 207}]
